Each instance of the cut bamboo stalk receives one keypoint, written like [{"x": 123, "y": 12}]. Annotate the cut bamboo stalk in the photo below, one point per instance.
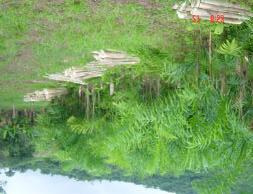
[
  {"x": 158, "y": 86},
  {"x": 45, "y": 95},
  {"x": 13, "y": 111},
  {"x": 80, "y": 92},
  {"x": 111, "y": 88},
  {"x": 203, "y": 12},
  {"x": 93, "y": 101},
  {"x": 233, "y": 13},
  {"x": 226, "y": 14},
  {"x": 87, "y": 100},
  {"x": 104, "y": 60},
  {"x": 211, "y": 7},
  {"x": 220, "y": 3}
]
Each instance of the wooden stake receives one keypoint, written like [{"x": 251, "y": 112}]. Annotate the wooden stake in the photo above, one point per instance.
[
  {"x": 158, "y": 85},
  {"x": 87, "y": 99},
  {"x": 93, "y": 102},
  {"x": 111, "y": 88},
  {"x": 13, "y": 112}
]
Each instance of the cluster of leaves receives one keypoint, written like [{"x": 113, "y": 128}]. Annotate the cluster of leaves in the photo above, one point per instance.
[
  {"x": 16, "y": 138},
  {"x": 230, "y": 48},
  {"x": 71, "y": 141},
  {"x": 190, "y": 130},
  {"x": 193, "y": 130}
]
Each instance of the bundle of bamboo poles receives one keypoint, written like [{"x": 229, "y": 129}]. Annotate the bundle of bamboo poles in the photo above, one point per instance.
[
  {"x": 76, "y": 75},
  {"x": 233, "y": 13},
  {"x": 114, "y": 58},
  {"x": 104, "y": 60},
  {"x": 45, "y": 95}
]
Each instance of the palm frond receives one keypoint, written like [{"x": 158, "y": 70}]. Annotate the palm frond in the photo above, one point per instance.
[{"x": 230, "y": 48}]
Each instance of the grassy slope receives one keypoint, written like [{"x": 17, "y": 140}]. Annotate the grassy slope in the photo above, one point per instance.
[{"x": 39, "y": 37}]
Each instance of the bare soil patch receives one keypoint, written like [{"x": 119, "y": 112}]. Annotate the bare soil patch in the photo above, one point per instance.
[
  {"x": 40, "y": 5},
  {"x": 149, "y": 4},
  {"x": 23, "y": 59}
]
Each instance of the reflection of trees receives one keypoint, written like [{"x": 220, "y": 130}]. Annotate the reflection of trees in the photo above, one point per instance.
[
  {"x": 180, "y": 185},
  {"x": 234, "y": 180},
  {"x": 2, "y": 191},
  {"x": 15, "y": 138},
  {"x": 192, "y": 130},
  {"x": 196, "y": 132},
  {"x": 10, "y": 173}
]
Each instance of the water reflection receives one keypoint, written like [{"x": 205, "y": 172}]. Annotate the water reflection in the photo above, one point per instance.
[{"x": 31, "y": 182}]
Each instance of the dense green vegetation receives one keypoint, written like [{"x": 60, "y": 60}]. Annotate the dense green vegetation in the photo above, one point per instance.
[{"x": 186, "y": 108}]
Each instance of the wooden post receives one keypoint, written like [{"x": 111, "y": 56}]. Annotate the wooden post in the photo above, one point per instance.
[
  {"x": 80, "y": 91},
  {"x": 93, "y": 101},
  {"x": 243, "y": 75},
  {"x": 13, "y": 112},
  {"x": 99, "y": 92},
  {"x": 32, "y": 114},
  {"x": 158, "y": 86},
  {"x": 111, "y": 88},
  {"x": 26, "y": 114},
  {"x": 87, "y": 100},
  {"x": 150, "y": 87}
]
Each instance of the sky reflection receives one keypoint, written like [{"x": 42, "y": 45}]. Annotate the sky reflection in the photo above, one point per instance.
[{"x": 33, "y": 182}]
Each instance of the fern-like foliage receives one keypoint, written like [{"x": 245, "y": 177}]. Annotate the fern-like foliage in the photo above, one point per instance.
[
  {"x": 193, "y": 130},
  {"x": 82, "y": 126},
  {"x": 230, "y": 48}
]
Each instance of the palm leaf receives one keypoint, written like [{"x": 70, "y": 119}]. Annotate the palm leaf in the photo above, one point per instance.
[{"x": 230, "y": 48}]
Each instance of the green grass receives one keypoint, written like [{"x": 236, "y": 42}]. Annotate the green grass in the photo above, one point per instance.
[{"x": 37, "y": 38}]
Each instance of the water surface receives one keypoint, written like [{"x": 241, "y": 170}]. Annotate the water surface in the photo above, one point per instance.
[{"x": 34, "y": 182}]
